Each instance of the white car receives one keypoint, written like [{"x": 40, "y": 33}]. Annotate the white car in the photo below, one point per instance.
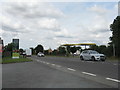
[
  {"x": 40, "y": 54},
  {"x": 92, "y": 55}
]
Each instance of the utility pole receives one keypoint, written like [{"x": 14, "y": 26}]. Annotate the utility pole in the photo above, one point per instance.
[{"x": 113, "y": 49}]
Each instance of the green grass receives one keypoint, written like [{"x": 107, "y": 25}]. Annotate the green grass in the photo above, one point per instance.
[
  {"x": 113, "y": 58},
  {"x": 10, "y": 60},
  {"x": 62, "y": 56},
  {"x": 15, "y": 54}
]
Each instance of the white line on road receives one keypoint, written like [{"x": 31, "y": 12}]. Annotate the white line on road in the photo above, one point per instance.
[
  {"x": 113, "y": 79},
  {"x": 71, "y": 69},
  {"x": 43, "y": 62},
  {"x": 114, "y": 64},
  {"x": 89, "y": 73},
  {"x": 47, "y": 63},
  {"x": 58, "y": 66},
  {"x": 53, "y": 64}
]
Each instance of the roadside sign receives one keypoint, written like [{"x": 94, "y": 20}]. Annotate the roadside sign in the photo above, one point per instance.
[{"x": 15, "y": 53}]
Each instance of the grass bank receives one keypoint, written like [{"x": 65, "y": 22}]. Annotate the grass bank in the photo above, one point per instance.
[
  {"x": 61, "y": 56},
  {"x": 113, "y": 58},
  {"x": 7, "y": 60}
]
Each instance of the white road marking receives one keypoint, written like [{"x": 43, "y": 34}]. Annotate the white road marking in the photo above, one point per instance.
[
  {"x": 71, "y": 69},
  {"x": 53, "y": 64},
  {"x": 114, "y": 64},
  {"x": 43, "y": 62},
  {"x": 113, "y": 79},
  {"x": 47, "y": 63},
  {"x": 58, "y": 66},
  {"x": 89, "y": 73}
]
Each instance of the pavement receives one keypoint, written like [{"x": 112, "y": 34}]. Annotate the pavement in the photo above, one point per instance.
[{"x": 60, "y": 72}]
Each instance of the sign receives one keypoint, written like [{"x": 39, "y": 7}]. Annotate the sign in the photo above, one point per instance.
[{"x": 15, "y": 53}]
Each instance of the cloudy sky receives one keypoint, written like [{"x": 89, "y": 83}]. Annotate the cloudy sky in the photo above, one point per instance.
[{"x": 54, "y": 23}]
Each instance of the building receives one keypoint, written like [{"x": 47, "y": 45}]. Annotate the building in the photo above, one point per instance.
[{"x": 16, "y": 44}]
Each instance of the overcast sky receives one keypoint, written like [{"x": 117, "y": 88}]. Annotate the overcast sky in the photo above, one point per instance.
[{"x": 54, "y": 23}]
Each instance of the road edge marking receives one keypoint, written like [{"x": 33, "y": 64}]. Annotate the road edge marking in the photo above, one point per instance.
[
  {"x": 113, "y": 79},
  {"x": 53, "y": 64},
  {"x": 89, "y": 73},
  {"x": 71, "y": 69}
]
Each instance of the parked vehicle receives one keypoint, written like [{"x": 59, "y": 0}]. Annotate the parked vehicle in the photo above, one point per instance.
[
  {"x": 40, "y": 54},
  {"x": 92, "y": 55},
  {"x": 28, "y": 52}
]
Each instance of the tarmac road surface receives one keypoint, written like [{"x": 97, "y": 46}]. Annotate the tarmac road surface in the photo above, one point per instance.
[{"x": 60, "y": 72}]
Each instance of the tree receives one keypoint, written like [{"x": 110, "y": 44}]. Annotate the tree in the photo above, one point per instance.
[
  {"x": 78, "y": 48},
  {"x": 55, "y": 52},
  {"x": 46, "y": 52},
  {"x": 21, "y": 50},
  {"x": 94, "y": 47},
  {"x": 33, "y": 51},
  {"x": 62, "y": 50},
  {"x": 73, "y": 49},
  {"x": 102, "y": 49},
  {"x": 39, "y": 48},
  {"x": 68, "y": 49},
  {"x": 115, "y": 39},
  {"x": 9, "y": 47}
]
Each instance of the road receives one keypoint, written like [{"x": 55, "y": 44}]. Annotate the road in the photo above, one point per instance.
[{"x": 61, "y": 72}]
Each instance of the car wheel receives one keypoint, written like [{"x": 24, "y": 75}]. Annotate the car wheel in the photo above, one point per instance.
[
  {"x": 81, "y": 58},
  {"x": 93, "y": 58}
]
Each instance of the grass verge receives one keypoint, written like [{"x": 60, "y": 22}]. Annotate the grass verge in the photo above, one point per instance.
[
  {"x": 62, "y": 56},
  {"x": 10, "y": 60},
  {"x": 113, "y": 58}
]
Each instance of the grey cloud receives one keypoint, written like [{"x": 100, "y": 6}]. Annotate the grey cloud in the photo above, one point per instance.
[
  {"x": 119, "y": 8},
  {"x": 12, "y": 29},
  {"x": 52, "y": 29},
  {"x": 61, "y": 36},
  {"x": 49, "y": 38},
  {"x": 8, "y": 28},
  {"x": 100, "y": 31},
  {"x": 91, "y": 40},
  {"x": 31, "y": 12},
  {"x": 39, "y": 15}
]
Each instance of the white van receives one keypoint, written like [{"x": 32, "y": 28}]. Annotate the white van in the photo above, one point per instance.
[{"x": 28, "y": 52}]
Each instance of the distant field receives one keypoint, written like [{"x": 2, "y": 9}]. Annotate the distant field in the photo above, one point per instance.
[{"x": 10, "y": 60}]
